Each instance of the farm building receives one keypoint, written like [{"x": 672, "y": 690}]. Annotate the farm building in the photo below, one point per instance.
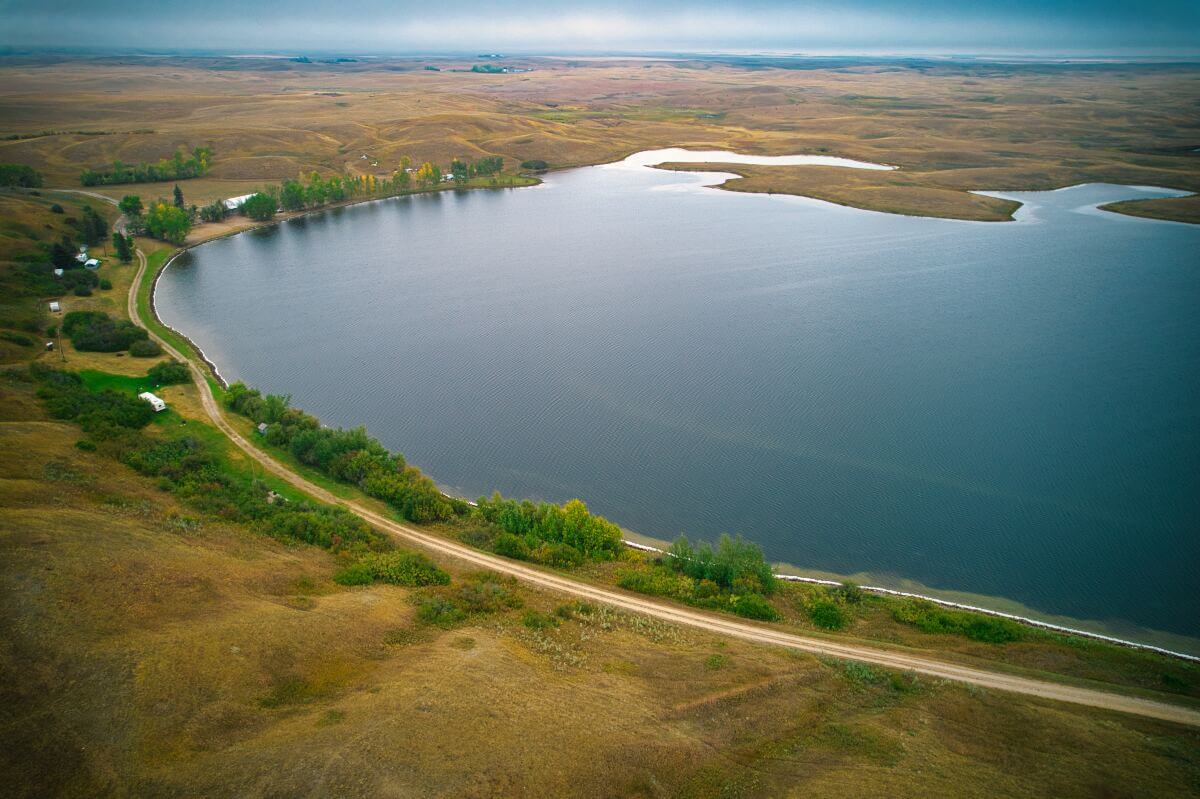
[
  {"x": 55, "y": 307},
  {"x": 155, "y": 402},
  {"x": 234, "y": 203}
]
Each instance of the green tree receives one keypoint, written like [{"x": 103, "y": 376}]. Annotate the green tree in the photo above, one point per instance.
[
  {"x": 168, "y": 222},
  {"x": 291, "y": 195},
  {"x": 178, "y": 191},
  {"x": 260, "y": 206},
  {"x": 92, "y": 226},
  {"x": 131, "y": 205},
  {"x": 20, "y": 175},
  {"x": 123, "y": 246}
]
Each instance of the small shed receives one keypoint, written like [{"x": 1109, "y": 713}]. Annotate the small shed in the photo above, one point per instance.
[
  {"x": 55, "y": 307},
  {"x": 155, "y": 402},
  {"x": 92, "y": 263},
  {"x": 262, "y": 428},
  {"x": 58, "y": 273},
  {"x": 82, "y": 257}
]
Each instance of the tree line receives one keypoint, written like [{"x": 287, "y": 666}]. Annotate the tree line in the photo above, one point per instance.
[
  {"x": 177, "y": 167},
  {"x": 348, "y": 456},
  {"x": 313, "y": 191}
]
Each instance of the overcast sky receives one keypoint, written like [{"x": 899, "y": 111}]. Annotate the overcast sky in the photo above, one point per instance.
[{"x": 1166, "y": 27}]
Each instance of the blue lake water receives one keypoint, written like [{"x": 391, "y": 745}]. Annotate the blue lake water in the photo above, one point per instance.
[{"x": 1008, "y": 409}]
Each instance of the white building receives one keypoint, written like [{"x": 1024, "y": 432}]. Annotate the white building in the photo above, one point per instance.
[
  {"x": 155, "y": 402},
  {"x": 55, "y": 307},
  {"x": 92, "y": 263},
  {"x": 58, "y": 273},
  {"x": 234, "y": 203}
]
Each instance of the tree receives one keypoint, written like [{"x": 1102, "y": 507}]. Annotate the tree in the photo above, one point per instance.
[
  {"x": 213, "y": 212},
  {"x": 93, "y": 228},
  {"x": 20, "y": 175},
  {"x": 461, "y": 171},
  {"x": 424, "y": 173},
  {"x": 260, "y": 206},
  {"x": 123, "y": 246},
  {"x": 168, "y": 222},
  {"x": 131, "y": 205},
  {"x": 291, "y": 195},
  {"x": 62, "y": 254},
  {"x": 178, "y": 191}
]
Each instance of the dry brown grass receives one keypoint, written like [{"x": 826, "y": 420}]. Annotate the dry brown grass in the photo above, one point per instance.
[
  {"x": 150, "y": 652},
  {"x": 899, "y": 192},
  {"x": 950, "y": 128},
  {"x": 1175, "y": 209}
]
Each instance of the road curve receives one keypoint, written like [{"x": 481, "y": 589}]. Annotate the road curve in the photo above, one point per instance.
[{"x": 708, "y": 622}]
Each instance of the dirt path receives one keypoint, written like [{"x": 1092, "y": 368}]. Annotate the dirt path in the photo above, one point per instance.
[{"x": 662, "y": 610}]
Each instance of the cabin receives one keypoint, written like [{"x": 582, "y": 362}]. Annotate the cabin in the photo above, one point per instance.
[
  {"x": 262, "y": 428},
  {"x": 155, "y": 402},
  {"x": 55, "y": 307},
  {"x": 92, "y": 263}
]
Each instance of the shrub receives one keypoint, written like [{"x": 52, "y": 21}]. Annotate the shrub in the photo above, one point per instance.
[
  {"x": 572, "y": 524},
  {"x": 929, "y": 618},
  {"x": 65, "y": 397},
  {"x": 562, "y": 556},
  {"x": 827, "y": 614},
  {"x": 511, "y": 546},
  {"x": 534, "y": 163},
  {"x": 56, "y": 209},
  {"x": 753, "y": 606},
  {"x": 355, "y": 574},
  {"x": 145, "y": 348},
  {"x": 536, "y": 620},
  {"x": 485, "y": 593},
  {"x": 16, "y": 338},
  {"x": 167, "y": 373},
  {"x": 96, "y": 331},
  {"x": 404, "y": 568},
  {"x": 84, "y": 445},
  {"x": 439, "y": 611},
  {"x": 735, "y": 564},
  {"x": 105, "y": 285},
  {"x": 849, "y": 593},
  {"x": 83, "y": 290}
]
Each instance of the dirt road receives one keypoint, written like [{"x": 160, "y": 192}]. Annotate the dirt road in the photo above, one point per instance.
[{"x": 709, "y": 622}]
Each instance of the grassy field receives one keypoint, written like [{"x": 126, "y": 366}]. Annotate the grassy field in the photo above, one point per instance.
[{"x": 950, "y": 127}]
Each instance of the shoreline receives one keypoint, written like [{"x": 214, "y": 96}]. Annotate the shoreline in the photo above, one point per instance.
[{"x": 881, "y": 590}]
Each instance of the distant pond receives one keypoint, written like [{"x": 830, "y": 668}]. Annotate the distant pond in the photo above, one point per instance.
[{"x": 1009, "y": 409}]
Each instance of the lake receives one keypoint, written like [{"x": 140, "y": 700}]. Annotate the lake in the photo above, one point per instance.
[{"x": 1008, "y": 409}]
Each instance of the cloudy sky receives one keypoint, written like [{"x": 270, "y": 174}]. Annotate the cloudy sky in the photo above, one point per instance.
[{"x": 1154, "y": 27}]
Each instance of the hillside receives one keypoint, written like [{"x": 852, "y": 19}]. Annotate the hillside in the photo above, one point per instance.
[{"x": 159, "y": 643}]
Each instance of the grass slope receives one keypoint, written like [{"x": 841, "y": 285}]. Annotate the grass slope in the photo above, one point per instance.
[{"x": 152, "y": 651}]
